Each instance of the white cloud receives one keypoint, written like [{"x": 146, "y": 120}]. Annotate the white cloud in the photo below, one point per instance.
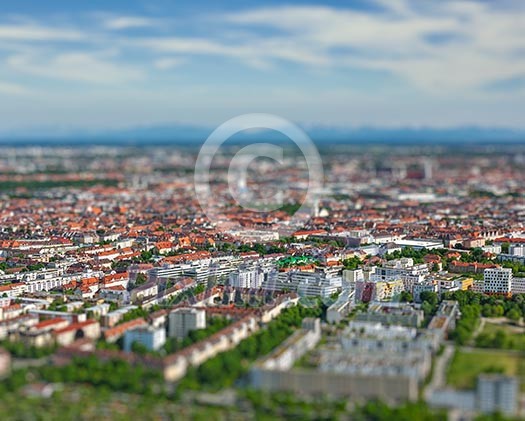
[
  {"x": 448, "y": 50},
  {"x": 479, "y": 44},
  {"x": 82, "y": 67},
  {"x": 483, "y": 44},
  {"x": 28, "y": 32},
  {"x": 128, "y": 22},
  {"x": 9, "y": 88},
  {"x": 168, "y": 63},
  {"x": 257, "y": 52}
]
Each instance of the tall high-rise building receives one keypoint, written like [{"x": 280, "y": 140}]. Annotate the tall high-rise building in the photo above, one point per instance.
[
  {"x": 183, "y": 320},
  {"x": 497, "y": 393}
]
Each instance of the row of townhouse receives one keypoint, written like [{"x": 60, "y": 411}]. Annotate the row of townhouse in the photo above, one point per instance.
[
  {"x": 59, "y": 331},
  {"x": 173, "y": 366},
  {"x": 32, "y": 275}
]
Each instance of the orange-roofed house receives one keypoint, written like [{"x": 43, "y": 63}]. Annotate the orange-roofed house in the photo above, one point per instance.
[{"x": 89, "y": 329}]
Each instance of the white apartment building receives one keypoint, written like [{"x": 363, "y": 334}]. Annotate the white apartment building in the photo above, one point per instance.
[
  {"x": 152, "y": 338},
  {"x": 317, "y": 284},
  {"x": 352, "y": 276},
  {"x": 518, "y": 285},
  {"x": 497, "y": 393},
  {"x": 245, "y": 278},
  {"x": 517, "y": 250},
  {"x": 494, "y": 249},
  {"x": 373, "y": 349},
  {"x": 319, "y": 287},
  {"x": 251, "y": 276},
  {"x": 200, "y": 270},
  {"x": 497, "y": 281},
  {"x": 403, "y": 269},
  {"x": 183, "y": 320}
]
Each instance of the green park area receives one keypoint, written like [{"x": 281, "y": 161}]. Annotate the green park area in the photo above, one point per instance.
[
  {"x": 467, "y": 365},
  {"x": 501, "y": 336}
]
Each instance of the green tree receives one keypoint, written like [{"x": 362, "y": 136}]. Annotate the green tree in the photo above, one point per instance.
[
  {"x": 141, "y": 279},
  {"x": 431, "y": 297},
  {"x": 514, "y": 314},
  {"x": 406, "y": 297}
]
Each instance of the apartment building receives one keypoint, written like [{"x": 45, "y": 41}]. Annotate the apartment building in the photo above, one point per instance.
[
  {"x": 403, "y": 269},
  {"x": 5, "y": 363},
  {"x": 497, "y": 393},
  {"x": 148, "y": 336},
  {"x": 425, "y": 286},
  {"x": 183, "y": 320},
  {"x": 518, "y": 285},
  {"x": 517, "y": 250},
  {"x": 352, "y": 276},
  {"x": 497, "y": 281},
  {"x": 251, "y": 276},
  {"x": 377, "y": 350},
  {"x": 200, "y": 270},
  {"x": 402, "y": 314},
  {"x": 293, "y": 348}
]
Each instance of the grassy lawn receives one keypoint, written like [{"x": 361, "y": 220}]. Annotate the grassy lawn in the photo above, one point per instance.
[
  {"x": 466, "y": 365},
  {"x": 511, "y": 337},
  {"x": 494, "y": 327}
]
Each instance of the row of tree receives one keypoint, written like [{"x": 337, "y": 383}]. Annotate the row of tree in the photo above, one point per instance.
[
  {"x": 224, "y": 369},
  {"x": 20, "y": 350},
  {"x": 501, "y": 340},
  {"x": 474, "y": 305},
  {"x": 115, "y": 375}
]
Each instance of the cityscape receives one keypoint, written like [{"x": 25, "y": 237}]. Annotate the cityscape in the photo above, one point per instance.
[
  {"x": 243, "y": 258},
  {"x": 405, "y": 285}
]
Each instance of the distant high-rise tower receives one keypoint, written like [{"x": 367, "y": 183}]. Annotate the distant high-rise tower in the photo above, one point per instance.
[
  {"x": 428, "y": 166},
  {"x": 316, "y": 208}
]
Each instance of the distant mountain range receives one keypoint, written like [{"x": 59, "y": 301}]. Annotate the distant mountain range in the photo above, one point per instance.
[{"x": 194, "y": 135}]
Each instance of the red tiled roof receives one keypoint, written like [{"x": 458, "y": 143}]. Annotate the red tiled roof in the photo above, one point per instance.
[{"x": 120, "y": 329}]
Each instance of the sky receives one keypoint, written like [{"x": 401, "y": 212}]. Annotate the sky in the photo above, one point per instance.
[{"x": 96, "y": 65}]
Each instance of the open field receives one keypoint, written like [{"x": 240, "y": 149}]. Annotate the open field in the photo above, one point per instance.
[
  {"x": 501, "y": 336},
  {"x": 491, "y": 327},
  {"x": 466, "y": 365}
]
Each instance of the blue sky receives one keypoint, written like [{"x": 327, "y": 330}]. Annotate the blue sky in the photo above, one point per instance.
[{"x": 383, "y": 63}]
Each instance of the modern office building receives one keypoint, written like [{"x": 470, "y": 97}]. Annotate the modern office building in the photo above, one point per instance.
[{"x": 498, "y": 281}]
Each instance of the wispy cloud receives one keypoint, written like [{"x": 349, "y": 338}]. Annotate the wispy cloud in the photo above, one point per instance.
[
  {"x": 483, "y": 43},
  {"x": 434, "y": 46},
  {"x": 128, "y": 22},
  {"x": 82, "y": 67},
  {"x": 167, "y": 63},
  {"x": 9, "y": 88},
  {"x": 38, "y": 33},
  {"x": 442, "y": 56}
]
